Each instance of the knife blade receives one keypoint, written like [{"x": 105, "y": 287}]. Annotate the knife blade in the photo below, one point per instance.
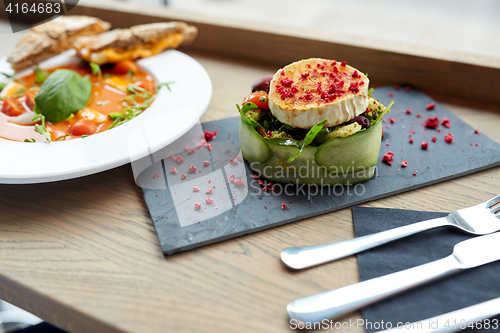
[{"x": 335, "y": 303}]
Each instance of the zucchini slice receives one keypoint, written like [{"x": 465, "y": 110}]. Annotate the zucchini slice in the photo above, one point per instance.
[{"x": 254, "y": 147}]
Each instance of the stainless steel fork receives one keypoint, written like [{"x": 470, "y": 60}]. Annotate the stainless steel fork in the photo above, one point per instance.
[{"x": 481, "y": 219}]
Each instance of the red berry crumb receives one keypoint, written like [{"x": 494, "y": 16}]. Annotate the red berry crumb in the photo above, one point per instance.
[
  {"x": 283, "y": 206},
  {"x": 256, "y": 177},
  {"x": 404, "y": 164},
  {"x": 431, "y": 122},
  {"x": 411, "y": 140},
  {"x": 434, "y": 139},
  {"x": 179, "y": 159},
  {"x": 419, "y": 115},
  {"x": 233, "y": 162},
  {"x": 448, "y": 138},
  {"x": 390, "y": 94},
  {"x": 343, "y": 64},
  {"x": 476, "y": 131},
  {"x": 407, "y": 89},
  {"x": 156, "y": 175},
  {"x": 209, "y": 191},
  {"x": 192, "y": 169},
  {"x": 424, "y": 145},
  {"x": 239, "y": 182},
  {"x": 396, "y": 87},
  {"x": 206, "y": 163},
  {"x": 414, "y": 173},
  {"x": 393, "y": 120},
  {"x": 209, "y": 136},
  {"x": 197, "y": 205},
  {"x": 209, "y": 200},
  {"x": 173, "y": 170},
  {"x": 446, "y": 122},
  {"x": 430, "y": 106},
  {"x": 196, "y": 189},
  {"x": 408, "y": 111},
  {"x": 183, "y": 176},
  {"x": 387, "y": 158}
]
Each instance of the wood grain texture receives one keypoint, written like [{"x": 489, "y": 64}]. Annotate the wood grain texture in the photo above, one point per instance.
[{"x": 83, "y": 255}]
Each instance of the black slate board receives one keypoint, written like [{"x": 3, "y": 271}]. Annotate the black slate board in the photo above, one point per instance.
[
  {"x": 455, "y": 292},
  {"x": 238, "y": 211}
]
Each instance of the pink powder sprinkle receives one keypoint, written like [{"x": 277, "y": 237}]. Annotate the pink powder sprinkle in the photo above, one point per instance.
[
  {"x": 238, "y": 157},
  {"x": 233, "y": 162},
  {"x": 231, "y": 178},
  {"x": 192, "y": 168},
  {"x": 209, "y": 200},
  {"x": 430, "y": 106},
  {"x": 156, "y": 175},
  {"x": 173, "y": 170},
  {"x": 209, "y": 191},
  {"x": 197, "y": 205},
  {"x": 209, "y": 181},
  {"x": 419, "y": 115},
  {"x": 191, "y": 151},
  {"x": 206, "y": 163},
  {"x": 171, "y": 155},
  {"x": 196, "y": 189},
  {"x": 183, "y": 176},
  {"x": 404, "y": 164},
  {"x": 179, "y": 159}
]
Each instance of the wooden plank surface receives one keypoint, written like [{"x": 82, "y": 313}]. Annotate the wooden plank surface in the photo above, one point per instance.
[{"x": 83, "y": 255}]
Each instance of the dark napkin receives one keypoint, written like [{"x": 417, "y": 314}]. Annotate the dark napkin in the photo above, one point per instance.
[{"x": 452, "y": 293}]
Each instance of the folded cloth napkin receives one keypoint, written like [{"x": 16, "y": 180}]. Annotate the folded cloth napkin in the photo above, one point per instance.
[{"x": 449, "y": 294}]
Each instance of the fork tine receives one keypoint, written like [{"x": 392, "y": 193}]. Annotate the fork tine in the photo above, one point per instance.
[
  {"x": 495, "y": 210},
  {"x": 494, "y": 201}
]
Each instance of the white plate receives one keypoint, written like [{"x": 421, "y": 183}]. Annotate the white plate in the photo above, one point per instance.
[{"x": 171, "y": 115}]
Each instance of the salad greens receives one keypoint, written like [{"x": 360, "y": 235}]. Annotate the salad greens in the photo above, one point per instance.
[
  {"x": 63, "y": 93},
  {"x": 309, "y": 138},
  {"x": 40, "y": 75}
]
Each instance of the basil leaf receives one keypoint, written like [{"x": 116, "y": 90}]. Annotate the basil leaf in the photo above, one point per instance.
[
  {"x": 309, "y": 138},
  {"x": 244, "y": 109},
  {"x": 40, "y": 75},
  {"x": 63, "y": 93},
  {"x": 43, "y": 131}
]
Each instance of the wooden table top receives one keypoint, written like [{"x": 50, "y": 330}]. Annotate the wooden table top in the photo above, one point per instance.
[{"x": 83, "y": 255}]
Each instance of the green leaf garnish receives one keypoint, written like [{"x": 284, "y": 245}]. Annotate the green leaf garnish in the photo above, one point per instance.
[
  {"x": 165, "y": 84},
  {"x": 96, "y": 69},
  {"x": 63, "y": 93},
  {"x": 102, "y": 103},
  {"x": 2, "y": 85},
  {"x": 40, "y": 75},
  {"x": 41, "y": 128},
  {"x": 309, "y": 138},
  {"x": 29, "y": 140},
  {"x": 244, "y": 109},
  {"x": 370, "y": 91},
  {"x": 85, "y": 136},
  {"x": 7, "y": 75}
]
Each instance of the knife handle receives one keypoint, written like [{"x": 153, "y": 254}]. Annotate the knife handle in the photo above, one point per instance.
[
  {"x": 308, "y": 256},
  {"x": 335, "y": 303}
]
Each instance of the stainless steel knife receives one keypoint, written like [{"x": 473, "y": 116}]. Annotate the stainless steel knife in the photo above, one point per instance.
[{"x": 335, "y": 303}]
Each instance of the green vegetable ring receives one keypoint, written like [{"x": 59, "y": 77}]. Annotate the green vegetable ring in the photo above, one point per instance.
[{"x": 337, "y": 161}]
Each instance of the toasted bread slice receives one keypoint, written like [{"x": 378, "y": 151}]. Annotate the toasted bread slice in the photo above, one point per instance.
[
  {"x": 308, "y": 91},
  {"x": 139, "y": 41},
  {"x": 51, "y": 38}
]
